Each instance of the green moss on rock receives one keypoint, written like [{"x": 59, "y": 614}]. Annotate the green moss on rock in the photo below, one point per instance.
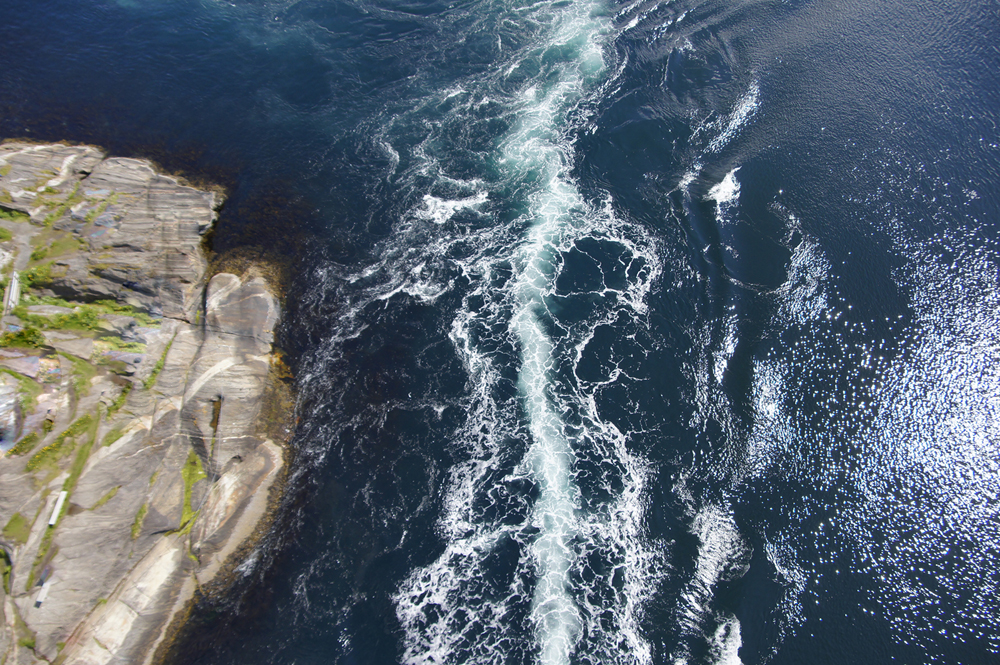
[
  {"x": 140, "y": 517},
  {"x": 25, "y": 445},
  {"x": 26, "y": 338},
  {"x": 17, "y": 529}
]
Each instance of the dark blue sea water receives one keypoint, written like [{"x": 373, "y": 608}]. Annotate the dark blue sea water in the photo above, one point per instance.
[{"x": 625, "y": 332}]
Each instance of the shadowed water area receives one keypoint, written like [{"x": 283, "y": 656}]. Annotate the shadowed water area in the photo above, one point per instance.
[{"x": 651, "y": 332}]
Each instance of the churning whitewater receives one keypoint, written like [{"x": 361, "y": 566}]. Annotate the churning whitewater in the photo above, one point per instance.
[
  {"x": 551, "y": 493},
  {"x": 623, "y": 332}
]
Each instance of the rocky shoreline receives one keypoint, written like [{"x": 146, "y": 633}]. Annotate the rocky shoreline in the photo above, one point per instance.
[{"x": 142, "y": 409}]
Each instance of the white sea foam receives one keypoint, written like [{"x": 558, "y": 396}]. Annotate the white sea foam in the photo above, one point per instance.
[
  {"x": 721, "y": 547},
  {"x": 689, "y": 177},
  {"x": 722, "y": 131},
  {"x": 439, "y": 210},
  {"x": 524, "y": 451},
  {"x": 726, "y": 195},
  {"x": 722, "y": 555},
  {"x": 727, "y": 191},
  {"x": 725, "y": 643}
]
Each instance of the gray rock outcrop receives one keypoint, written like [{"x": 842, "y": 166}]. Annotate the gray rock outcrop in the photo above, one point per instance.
[
  {"x": 145, "y": 410},
  {"x": 141, "y": 230}
]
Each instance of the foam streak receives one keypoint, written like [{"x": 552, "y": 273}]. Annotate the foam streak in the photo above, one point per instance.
[{"x": 558, "y": 539}]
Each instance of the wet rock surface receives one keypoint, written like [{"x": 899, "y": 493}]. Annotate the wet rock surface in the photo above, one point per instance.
[{"x": 140, "y": 397}]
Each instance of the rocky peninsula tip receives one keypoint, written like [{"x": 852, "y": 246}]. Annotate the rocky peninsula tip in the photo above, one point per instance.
[{"x": 136, "y": 464}]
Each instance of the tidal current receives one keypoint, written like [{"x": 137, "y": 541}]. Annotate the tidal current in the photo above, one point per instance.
[{"x": 636, "y": 332}]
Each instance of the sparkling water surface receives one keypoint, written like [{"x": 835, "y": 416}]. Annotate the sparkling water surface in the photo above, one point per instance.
[{"x": 649, "y": 332}]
